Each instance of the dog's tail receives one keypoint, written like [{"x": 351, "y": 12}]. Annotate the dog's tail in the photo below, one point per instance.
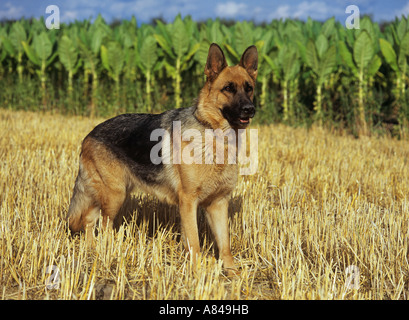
[{"x": 83, "y": 209}]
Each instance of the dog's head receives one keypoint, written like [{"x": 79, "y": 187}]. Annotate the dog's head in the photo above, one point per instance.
[{"x": 232, "y": 88}]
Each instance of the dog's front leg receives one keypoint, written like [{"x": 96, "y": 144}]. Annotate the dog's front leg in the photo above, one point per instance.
[
  {"x": 188, "y": 215},
  {"x": 217, "y": 217}
]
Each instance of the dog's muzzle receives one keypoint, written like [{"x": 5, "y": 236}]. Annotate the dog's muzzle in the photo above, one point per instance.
[{"x": 246, "y": 112}]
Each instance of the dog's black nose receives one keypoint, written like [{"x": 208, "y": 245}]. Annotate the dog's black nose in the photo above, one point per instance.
[{"x": 248, "y": 110}]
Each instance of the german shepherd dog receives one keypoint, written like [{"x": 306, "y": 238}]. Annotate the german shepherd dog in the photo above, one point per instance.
[{"x": 115, "y": 158}]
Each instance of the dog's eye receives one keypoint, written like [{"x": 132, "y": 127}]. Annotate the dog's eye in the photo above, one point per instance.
[
  {"x": 228, "y": 89},
  {"x": 248, "y": 88}
]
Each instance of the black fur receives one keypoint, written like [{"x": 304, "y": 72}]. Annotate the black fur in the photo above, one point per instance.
[
  {"x": 128, "y": 137},
  {"x": 241, "y": 108}
]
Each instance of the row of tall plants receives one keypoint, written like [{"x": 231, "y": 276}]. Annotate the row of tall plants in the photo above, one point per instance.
[{"x": 308, "y": 71}]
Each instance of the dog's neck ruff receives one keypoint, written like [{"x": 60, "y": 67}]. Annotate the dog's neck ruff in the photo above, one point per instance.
[{"x": 200, "y": 119}]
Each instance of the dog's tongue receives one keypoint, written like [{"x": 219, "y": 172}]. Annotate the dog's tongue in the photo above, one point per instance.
[{"x": 244, "y": 120}]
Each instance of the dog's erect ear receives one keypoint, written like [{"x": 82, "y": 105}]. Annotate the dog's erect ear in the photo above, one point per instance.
[
  {"x": 249, "y": 61},
  {"x": 216, "y": 62}
]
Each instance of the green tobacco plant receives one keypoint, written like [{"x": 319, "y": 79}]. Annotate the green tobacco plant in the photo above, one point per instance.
[
  {"x": 89, "y": 44},
  {"x": 3, "y": 51},
  {"x": 113, "y": 59},
  {"x": 396, "y": 57},
  {"x": 285, "y": 66},
  {"x": 321, "y": 58},
  {"x": 363, "y": 64},
  {"x": 13, "y": 44},
  {"x": 147, "y": 61},
  {"x": 179, "y": 47},
  {"x": 320, "y": 70},
  {"x": 40, "y": 53},
  {"x": 68, "y": 55}
]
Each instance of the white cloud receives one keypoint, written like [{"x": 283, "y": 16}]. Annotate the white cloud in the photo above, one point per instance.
[
  {"x": 69, "y": 15},
  {"x": 124, "y": 7},
  {"x": 311, "y": 9},
  {"x": 281, "y": 12},
  {"x": 11, "y": 12},
  {"x": 143, "y": 10},
  {"x": 230, "y": 9},
  {"x": 318, "y": 10},
  {"x": 404, "y": 11}
]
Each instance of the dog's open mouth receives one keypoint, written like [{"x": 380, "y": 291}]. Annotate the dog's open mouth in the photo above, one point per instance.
[{"x": 244, "y": 120}]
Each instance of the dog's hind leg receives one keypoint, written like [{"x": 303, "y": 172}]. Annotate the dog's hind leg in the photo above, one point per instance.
[
  {"x": 101, "y": 186},
  {"x": 83, "y": 211}
]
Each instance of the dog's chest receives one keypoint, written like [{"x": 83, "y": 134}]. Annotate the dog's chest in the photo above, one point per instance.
[{"x": 218, "y": 181}]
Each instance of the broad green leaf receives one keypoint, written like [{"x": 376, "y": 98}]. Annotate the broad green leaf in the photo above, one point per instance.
[
  {"x": 273, "y": 65},
  {"x": 301, "y": 50},
  {"x": 243, "y": 35},
  {"x": 389, "y": 54},
  {"x": 31, "y": 54},
  {"x": 163, "y": 32},
  {"x": 328, "y": 27},
  {"x": 170, "y": 70},
  {"x": 148, "y": 54},
  {"x": 227, "y": 32},
  {"x": 89, "y": 58},
  {"x": 367, "y": 25},
  {"x": 164, "y": 45},
  {"x": 51, "y": 59},
  {"x": 8, "y": 45},
  {"x": 232, "y": 51},
  {"x": 158, "y": 66},
  {"x": 291, "y": 65},
  {"x": 374, "y": 66},
  {"x": 295, "y": 69},
  {"x": 346, "y": 55},
  {"x": 401, "y": 29},
  {"x": 402, "y": 61},
  {"x": 215, "y": 33},
  {"x": 363, "y": 50},
  {"x": 180, "y": 38},
  {"x": 309, "y": 24},
  {"x": 116, "y": 58},
  {"x": 104, "y": 57},
  {"x": 67, "y": 52},
  {"x": 311, "y": 57},
  {"x": 328, "y": 63},
  {"x": 322, "y": 45},
  {"x": 404, "y": 45},
  {"x": 267, "y": 38},
  {"x": 42, "y": 46},
  {"x": 287, "y": 63},
  {"x": 260, "y": 44},
  {"x": 96, "y": 40},
  {"x": 192, "y": 51},
  {"x": 201, "y": 53},
  {"x": 78, "y": 65},
  {"x": 17, "y": 35}
]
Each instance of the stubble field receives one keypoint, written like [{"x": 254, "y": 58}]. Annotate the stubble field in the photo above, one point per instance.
[{"x": 326, "y": 216}]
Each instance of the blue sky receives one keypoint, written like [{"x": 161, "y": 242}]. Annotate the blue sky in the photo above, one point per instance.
[{"x": 257, "y": 10}]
